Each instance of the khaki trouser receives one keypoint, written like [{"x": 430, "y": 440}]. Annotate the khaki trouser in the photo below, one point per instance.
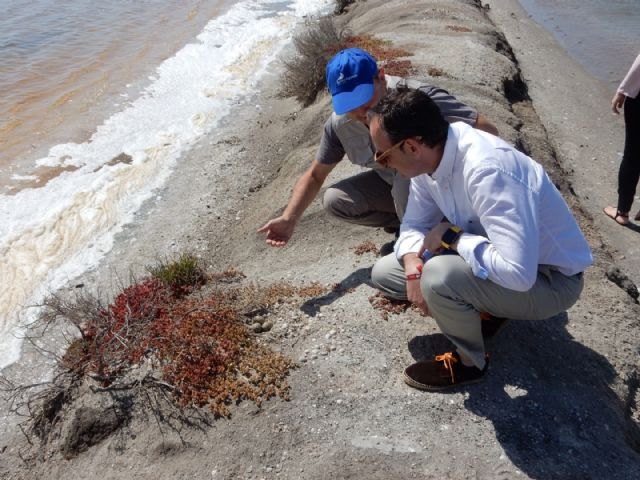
[
  {"x": 455, "y": 297},
  {"x": 366, "y": 199}
]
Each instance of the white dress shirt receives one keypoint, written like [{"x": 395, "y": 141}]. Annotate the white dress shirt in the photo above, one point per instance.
[{"x": 513, "y": 217}]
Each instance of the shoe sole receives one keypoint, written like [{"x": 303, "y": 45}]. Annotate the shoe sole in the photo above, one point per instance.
[{"x": 432, "y": 388}]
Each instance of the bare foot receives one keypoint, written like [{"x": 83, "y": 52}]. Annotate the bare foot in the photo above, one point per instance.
[{"x": 620, "y": 217}]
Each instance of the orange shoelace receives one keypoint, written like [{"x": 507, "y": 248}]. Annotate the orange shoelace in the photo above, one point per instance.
[{"x": 449, "y": 359}]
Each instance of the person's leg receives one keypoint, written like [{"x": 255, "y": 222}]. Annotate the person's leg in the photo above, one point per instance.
[
  {"x": 629, "y": 172},
  {"x": 455, "y": 297},
  {"x": 400, "y": 194},
  {"x": 387, "y": 276},
  {"x": 364, "y": 199}
]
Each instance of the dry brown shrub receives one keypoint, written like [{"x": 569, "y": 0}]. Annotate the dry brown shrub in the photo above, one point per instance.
[
  {"x": 199, "y": 346},
  {"x": 382, "y": 50},
  {"x": 399, "y": 68},
  {"x": 212, "y": 359},
  {"x": 158, "y": 353},
  {"x": 253, "y": 298},
  {"x": 304, "y": 75}
]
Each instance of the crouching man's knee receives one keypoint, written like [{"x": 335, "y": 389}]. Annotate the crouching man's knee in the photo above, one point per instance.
[
  {"x": 337, "y": 203},
  {"x": 387, "y": 275},
  {"x": 443, "y": 276}
]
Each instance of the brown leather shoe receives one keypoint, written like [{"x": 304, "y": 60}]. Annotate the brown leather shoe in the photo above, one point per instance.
[
  {"x": 444, "y": 371},
  {"x": 387, "y": 248}
]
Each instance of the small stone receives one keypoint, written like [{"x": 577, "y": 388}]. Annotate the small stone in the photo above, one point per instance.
[
  {"x": 256, "y": 327},
  {"x": 268, "y": 325}
]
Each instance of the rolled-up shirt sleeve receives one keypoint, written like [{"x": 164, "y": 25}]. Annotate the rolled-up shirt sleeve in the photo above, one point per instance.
[
  {"x": 422, "y": 215},
  {"x": 509, "y": 215},
  {"x": 630, "y": 85}
]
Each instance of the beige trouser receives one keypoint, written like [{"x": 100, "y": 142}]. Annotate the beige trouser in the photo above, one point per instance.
[
  {"x": 455, "y": 297},
  {"x": 366, "y": 199}
]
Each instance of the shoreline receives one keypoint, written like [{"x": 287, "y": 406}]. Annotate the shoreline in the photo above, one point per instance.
[
  {"x": 350, "y": 415},
  {"x": 56, "y": 232}
]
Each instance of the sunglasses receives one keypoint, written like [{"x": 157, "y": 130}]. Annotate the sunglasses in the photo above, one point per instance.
[{"x": 383, "y": 157}]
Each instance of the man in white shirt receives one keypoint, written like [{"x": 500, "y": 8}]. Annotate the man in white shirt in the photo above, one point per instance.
[
  {"x": 515, "y": 249},
  {"x": 376, "y": 197}
]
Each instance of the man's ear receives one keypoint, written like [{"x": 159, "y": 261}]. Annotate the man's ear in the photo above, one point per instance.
[{"x": 413, "y": 144}]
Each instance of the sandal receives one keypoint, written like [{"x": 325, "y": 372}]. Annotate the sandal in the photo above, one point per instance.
[{"x": 615, "y": 214}]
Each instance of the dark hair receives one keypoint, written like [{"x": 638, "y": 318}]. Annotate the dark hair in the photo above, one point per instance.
[{"x": 407, "y": 113}]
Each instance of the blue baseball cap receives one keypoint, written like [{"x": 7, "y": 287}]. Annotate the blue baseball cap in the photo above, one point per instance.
[{"x": 350, "y": 76}]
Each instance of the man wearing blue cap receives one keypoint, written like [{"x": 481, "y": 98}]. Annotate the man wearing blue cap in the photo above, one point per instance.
[{"x": 375, "y": 198}]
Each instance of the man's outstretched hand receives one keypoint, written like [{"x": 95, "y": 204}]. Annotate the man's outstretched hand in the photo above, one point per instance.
[{"x": 278, "y": 230}]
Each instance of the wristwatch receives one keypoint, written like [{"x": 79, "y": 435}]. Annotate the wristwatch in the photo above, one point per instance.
[{"x": 450, "y": 236}]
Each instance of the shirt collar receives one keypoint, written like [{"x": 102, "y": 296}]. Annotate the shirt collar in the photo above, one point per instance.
[{"x": 445, "y": 168}]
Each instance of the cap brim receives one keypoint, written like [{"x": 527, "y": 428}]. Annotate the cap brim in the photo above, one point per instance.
[{"x": 347, "y": 101}]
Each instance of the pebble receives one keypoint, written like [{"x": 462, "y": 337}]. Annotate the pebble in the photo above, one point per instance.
[{"x": 256, "y": 327}]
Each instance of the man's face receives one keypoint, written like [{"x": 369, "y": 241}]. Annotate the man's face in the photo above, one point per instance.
[
  {"x": 387, "y": 154},
  {"x": 409, "y": 157},
  {"x": 380, "y": 90}
]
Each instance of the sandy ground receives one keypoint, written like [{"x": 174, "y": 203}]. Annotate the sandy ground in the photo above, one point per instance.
[{"x": 561, "y": 398}]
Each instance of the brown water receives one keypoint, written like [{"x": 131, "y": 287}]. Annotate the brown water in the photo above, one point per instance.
[{"x": 65, "y": 66}]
